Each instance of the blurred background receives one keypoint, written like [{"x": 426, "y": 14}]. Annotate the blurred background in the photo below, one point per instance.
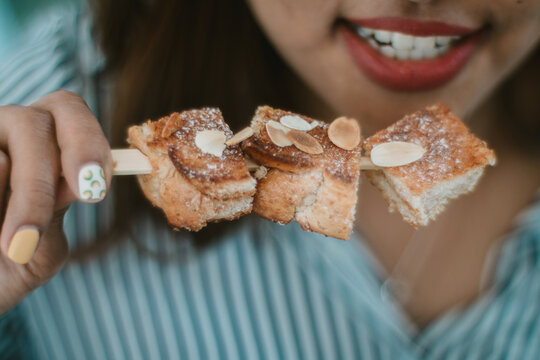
[{"x": 16, "y": 14}]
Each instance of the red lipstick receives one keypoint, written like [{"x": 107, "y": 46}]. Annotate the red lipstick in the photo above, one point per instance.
[
  {"x": 413, "y": 27},
  {"x": 410, "y": 75}
]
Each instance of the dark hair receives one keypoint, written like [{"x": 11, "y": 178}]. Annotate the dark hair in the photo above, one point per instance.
[{"x": 518, "y": 101}]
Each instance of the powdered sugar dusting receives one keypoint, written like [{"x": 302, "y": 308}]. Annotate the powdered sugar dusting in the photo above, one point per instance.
[
  {"x": 194, "y": 163},
  {"x": 451, "y": 149},
  {"x": 340, "y": 163}
]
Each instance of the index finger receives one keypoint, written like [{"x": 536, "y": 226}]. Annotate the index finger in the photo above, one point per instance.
[{"x": 84, "y": 151}]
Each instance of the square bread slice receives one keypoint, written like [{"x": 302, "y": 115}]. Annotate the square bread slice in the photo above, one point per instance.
[
  {"x": 452, "y": 164},
  {"x": 192, "y": 187},
  {"x": 318, "y": 191}
]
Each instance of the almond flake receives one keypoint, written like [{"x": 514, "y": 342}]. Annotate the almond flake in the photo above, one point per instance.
[
  {"x": 260, "y": 173},
  {"x": 278, "y": 133},
  {"x": 240, "y": 136},
  {"x": 304, "y": 142},
  {"x": 344, "y": 133},
  {"x": 211, "y": 142},
  {"x": 250, "y": 164},
  {"x": 295, "y": 122},
  {"x": 257, "y": 170},
  {"x": 396, "y": 153}
]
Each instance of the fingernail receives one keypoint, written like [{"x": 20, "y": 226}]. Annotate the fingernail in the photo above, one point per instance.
[
  {"x": 92, "y": 186},
  {"x": 23, "y": 244}
]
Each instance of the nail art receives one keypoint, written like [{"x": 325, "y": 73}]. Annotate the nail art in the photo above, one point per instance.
[
  {"x": 23, "y": 244},
  {"x": 92, "y": 186}
]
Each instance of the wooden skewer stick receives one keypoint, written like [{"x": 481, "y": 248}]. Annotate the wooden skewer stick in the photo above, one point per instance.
[
  {"x": 130, "y": 162},
  {"x": 133, "y": 162},
  {"x": 367, "y": 164}
]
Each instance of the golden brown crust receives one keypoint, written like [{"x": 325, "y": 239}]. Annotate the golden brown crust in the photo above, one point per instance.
[
  {"x": 318, "y": 191},
  {"x": 451, "y": 150},
  {"x": 340, "y": 163},
  {"x": 265, "y": 152},
  {"x": 332, "y": 212},
  {"x": 212, "y": 175},
  {"x": 452, "y": 165},
  {"x": 280, "y": 193},
  {"x": 190, "y": 186}
]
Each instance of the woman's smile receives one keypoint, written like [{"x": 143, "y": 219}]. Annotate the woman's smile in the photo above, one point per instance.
[
  {"x": 403, "y": 54},
  {"x": 376, "y": 60}
]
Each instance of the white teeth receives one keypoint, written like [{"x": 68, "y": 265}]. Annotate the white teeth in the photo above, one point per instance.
[
  {"x": 443, "y": 40},
  {"x": 402, "y": 42},
  {"x": 416, "y": 54},
  {"x": 383, "y": 36},
  {"x": 365, "y": 32},
  {"x": 442, "y": 49},
  {"x": 429, "y": 53},
  {"x": 424, "y": 42},
  {"x": 373, "y": 43},
  {"x": 388, "y": 51},
  {"x": 403, "y": 54},
  {"x": 406, "y": 47}
]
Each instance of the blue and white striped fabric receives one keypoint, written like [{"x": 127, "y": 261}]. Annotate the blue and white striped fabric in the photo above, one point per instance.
[{"x": 264, "y": 292}]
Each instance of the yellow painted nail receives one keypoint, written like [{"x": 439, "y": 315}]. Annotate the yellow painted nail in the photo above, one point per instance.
[{"x": 23, "y": 244}]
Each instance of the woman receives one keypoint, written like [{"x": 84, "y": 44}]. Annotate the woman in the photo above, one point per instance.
[{"x": 263, "y": 291}]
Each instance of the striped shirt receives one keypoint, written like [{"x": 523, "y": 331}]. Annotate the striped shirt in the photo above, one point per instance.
[{"x": 263, "y": 292}]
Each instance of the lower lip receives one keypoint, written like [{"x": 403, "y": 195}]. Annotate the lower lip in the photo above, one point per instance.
[{"x": 408, "y": 75}]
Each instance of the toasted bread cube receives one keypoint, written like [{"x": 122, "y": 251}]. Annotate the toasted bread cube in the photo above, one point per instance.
[
  {"x": 192, "y": 187},
  {"x": 316, "y": 190},
  {"x": 451, "y": 166}
]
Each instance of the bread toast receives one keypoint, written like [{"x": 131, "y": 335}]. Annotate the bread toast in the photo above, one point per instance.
[
  {"x": 452, "y": 164},
  {"x": 316, "y": 190},
  {"x": 190, "y": 186}
]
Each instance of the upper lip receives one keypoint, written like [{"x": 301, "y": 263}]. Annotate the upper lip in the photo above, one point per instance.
[{"x": 413, "y": 27}]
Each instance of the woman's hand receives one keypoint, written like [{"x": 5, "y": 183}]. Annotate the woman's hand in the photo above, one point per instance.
[{"x": 52, "y": 153}]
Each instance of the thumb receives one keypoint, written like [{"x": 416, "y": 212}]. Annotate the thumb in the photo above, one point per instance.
[
  {"x": 17, "y": 280},
  {"x": 51, "y": 253}
]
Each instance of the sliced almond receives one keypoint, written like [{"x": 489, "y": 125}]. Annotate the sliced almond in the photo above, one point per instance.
[
  {"x": 295, "y": 122},
  {"x": 278, "y": 133},
  {"x": 344, "y": 133},
  {"x": 396, "y": 153},
  {"x": 240, "y": 136},
  {"x": 257, "y": 170},
  {"x": 304, "y": 142},
  {"x": 211, "y": 142},
  {"x": 251, "y": 165},
  {"x": 260, "y": 172}
]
